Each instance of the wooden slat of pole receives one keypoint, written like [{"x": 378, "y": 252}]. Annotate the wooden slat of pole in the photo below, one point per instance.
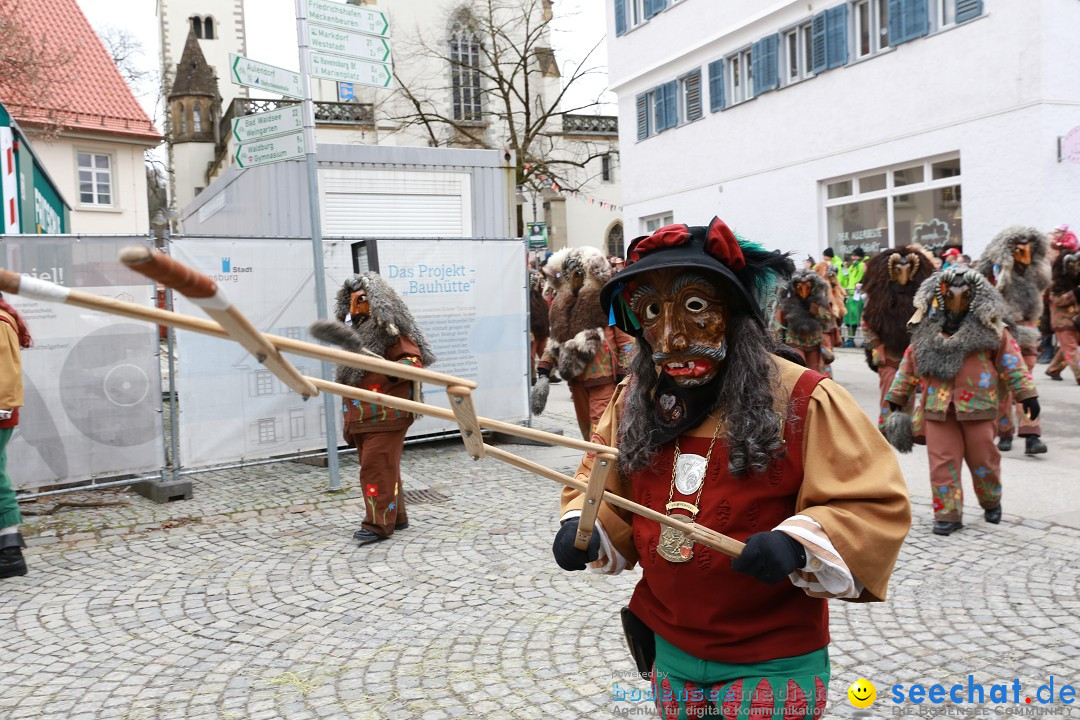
[
  {"x": 707, "y": 537},
  {"x": 462, "y": 405},
  {"x": 601, "y": 471}
]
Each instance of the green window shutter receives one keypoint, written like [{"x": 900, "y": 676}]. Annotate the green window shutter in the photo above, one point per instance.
[
  {"x": 620, "y": 17},
  {"x": 817, "y": 43},
  {"x": 968, "y": 10},
  {"x": 716, "y": 85},
  {"x": 836, "y": 27},
  {"x": 642, "y": 116}
]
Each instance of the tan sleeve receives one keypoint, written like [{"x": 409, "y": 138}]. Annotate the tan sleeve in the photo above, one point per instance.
[
  {"x": 617, "y": 523},
  {"x": 853, "y": 488},
  {"x": 11, "y": 382}
]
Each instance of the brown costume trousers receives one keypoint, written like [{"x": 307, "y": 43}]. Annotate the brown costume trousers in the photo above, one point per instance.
[
  {"x": 380, "y": 479},
  {"x": 811, "y": 357},
  {"x": 950, "y": 443},
  {"x": 1008, "y": 410},
  {"x": 589, "y": 404},
  {"x": 1067, "y": 354}
]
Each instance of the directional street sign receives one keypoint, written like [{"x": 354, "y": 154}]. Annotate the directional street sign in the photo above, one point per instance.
[
  {"x": 263, "y": 152},
  {"x": 245, "y": 71},
  {"x": 354, "y": 45},
  {"x": 348, "y": 17},
  {"x": 268, "y": 124},
  {"x": 361, "y": 72}
]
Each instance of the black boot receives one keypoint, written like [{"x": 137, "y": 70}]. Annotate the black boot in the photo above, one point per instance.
[
  {"x": 943, "y": 527},
  {"x": 993, "y": 515},
  {"x": 366, "y": 537},
  {"x": 1033, "y": 445},
  {"x": 12, "y": 563},
  {"x": 1005, "y": 444}
]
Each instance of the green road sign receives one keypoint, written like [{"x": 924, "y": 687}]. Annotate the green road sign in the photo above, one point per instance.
[
  {"x": 537, "y": 234},
  {"x": 361, "y": 72},
  {"x": 245, "y": 71},
  {"x": 268, "y": 124},
  {"x": 353, "y": 45},
  {"x": 348, "y": 17},
  {"x": 271, "y": 150}
]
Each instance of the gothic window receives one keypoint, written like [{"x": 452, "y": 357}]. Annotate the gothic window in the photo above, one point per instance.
[
  {"x": 615, "y": 240},
  {"x": 465, "y": 70},
  {"x": 196, "y": 118},
  {"x": 197, "y": 26},
  {"x": 183, "y": 119},
  {"x": 208, "y": 28}
]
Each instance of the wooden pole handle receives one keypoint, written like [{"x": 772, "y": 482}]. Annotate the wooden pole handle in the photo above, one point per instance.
[
  {"x": 603, "y": 464},
  {"x": 170, "y": 273}
]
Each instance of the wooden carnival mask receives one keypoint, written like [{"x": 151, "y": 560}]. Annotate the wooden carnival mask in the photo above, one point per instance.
[
  {"x": 804, "y": 288},
  {"x": 683, "y": 318},
  {"x": 955, "y": 296},
  {"x": 902, "y": 268},
  {"x": 1021, "y": 252}
]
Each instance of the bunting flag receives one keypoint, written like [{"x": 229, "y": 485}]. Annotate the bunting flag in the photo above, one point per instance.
[{"x": 555, "y": 187}]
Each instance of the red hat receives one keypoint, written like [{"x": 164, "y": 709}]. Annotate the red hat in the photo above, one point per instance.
[{"x": 951, "y": 252}]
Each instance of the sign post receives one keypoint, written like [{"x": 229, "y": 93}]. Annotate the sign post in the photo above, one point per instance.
[
  {"x": 268, "y": 124},
  {"x": 270, "y": 150},
  {"x": 330, "y": 404},
  {"x": 248, "y": 72}
]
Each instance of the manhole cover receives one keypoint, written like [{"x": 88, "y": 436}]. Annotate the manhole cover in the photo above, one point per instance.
[{"x": 419, "y": 497}]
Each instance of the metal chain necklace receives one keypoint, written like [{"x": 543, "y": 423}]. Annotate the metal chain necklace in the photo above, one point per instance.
[{"x": 688, "y": 473}]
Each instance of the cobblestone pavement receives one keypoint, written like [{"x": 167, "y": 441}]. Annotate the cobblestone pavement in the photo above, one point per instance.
[{"x": 250, "y": 602}]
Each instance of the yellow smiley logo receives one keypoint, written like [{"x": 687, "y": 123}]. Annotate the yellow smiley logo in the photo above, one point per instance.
[{"x": 862, "y": 693}]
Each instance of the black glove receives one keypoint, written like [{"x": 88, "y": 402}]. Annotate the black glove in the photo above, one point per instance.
[
  {"x": 543, "y": 371},
  {"x": 1031, "y": 407},
  {"x": 770, "y": 556},
  {"x": 569, "y": 557},
  {"x": 894, "y": 407},
  {"x": 1076, "y": 294}
]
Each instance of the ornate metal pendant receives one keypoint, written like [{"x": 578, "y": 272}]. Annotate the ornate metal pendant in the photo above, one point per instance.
[
  {"x": 675, "y": 545},
  {"x": 690, "y": 473}
]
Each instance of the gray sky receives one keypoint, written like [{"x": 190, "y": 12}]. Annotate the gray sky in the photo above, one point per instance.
[{"x": 271, "y": 34}]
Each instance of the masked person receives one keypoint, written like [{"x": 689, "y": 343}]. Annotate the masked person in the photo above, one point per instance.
[
  {"x": 14, "y": 337},
  {"x": 1064, "y": 296},
  {"x": 960, "y": 351},
  {"x": 1015, "y": 262},
  {"x": 712, "y": 426},
  {"x": 371, "y": 318},
  {"x": 892, "y": 277},
  {"x": 590, "y": 355},
  {"x": 804, "y": 317}
]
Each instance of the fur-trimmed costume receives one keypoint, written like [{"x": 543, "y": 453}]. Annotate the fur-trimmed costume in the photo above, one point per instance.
[
  {"x": 1064, "y": 305},
  {"x": 713, "y": 426},
  {"x": 891, "y": 280},
  {"x": 590, "y": 355},
  {"x": 1016, "y": 263},
  {"x": 958, "y": 358},
  {"x": 372, "y": 318},
  {"x": 802, "y": 320}
]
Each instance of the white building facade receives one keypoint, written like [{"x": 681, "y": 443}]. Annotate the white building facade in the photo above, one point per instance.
[{"x": 860, "y": 123}]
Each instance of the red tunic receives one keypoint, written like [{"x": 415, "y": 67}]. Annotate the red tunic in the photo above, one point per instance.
[{"x": 703, "y": 607}]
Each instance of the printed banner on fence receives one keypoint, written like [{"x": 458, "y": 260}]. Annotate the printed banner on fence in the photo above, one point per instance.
[
  {"x": 91, "y": 381},
  {"x": 467, "y": 295}
]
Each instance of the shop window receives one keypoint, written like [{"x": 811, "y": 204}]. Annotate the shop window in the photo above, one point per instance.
[
  {"x": 95, "y": 179},
  {"x": 872, "y": 183},
  {"x": 839, "y": 189},
  {"x": 908, "y": 176}
]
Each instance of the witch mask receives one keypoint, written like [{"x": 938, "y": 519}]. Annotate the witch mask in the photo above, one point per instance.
[{"x": 682, "y": 316}]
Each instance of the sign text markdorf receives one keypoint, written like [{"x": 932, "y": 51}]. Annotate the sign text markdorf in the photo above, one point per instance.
[
  {"x": 245, "y": 71},
  {"x": 348, "y": 17},
  {"x": 361, "y": 72},
  {"x": 263, "y": 152},
  {"x": 354, "y": 45},
  {"x": 268, "y": 124}
]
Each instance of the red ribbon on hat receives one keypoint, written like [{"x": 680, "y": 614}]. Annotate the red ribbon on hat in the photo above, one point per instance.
[{"x": 719, "y": 243}]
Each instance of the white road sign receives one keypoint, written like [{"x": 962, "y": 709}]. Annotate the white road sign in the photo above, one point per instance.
[
  {"x": 268, "y": 124},
  {"x": 361, "y": 72},
  {"x": 354, "y": 45},
  {"x": 263, "y": 152},
  {"x": 245, "y": 71},
  {"x": 348, "y": 17}
]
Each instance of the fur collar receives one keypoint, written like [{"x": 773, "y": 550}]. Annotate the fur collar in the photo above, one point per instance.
[{"x": 940, "y": 356}]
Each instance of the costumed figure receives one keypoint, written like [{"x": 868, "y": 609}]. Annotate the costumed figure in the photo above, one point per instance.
[
  {"x": 1064, "y": 304},
  {"x": 589, "y": 355},
  {"x": 804, "y": 316},
  {"x": 14, "y": 336},
  {"x": 959, "y": 354},
  {"x": 892, "y": 277},
  {"x": 1015, "y": 262},
  {"x": 372, "y": 319},
  {"x": 539, "y": 328},
  {"x": 712, "y": 426}
]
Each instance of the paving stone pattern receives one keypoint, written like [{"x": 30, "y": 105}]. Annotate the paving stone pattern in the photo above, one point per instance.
[{"x": 253, "y": 603}]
